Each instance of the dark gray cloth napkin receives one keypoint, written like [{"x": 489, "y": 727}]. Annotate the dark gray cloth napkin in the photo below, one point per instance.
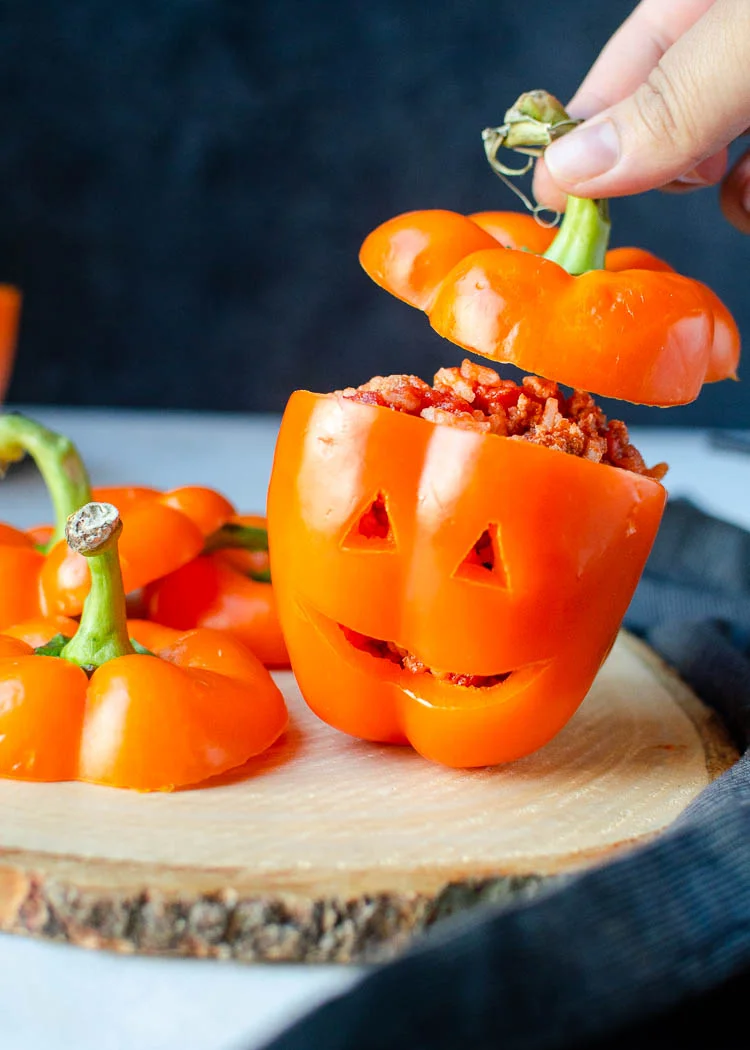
[{"x": 652, "y": 950}]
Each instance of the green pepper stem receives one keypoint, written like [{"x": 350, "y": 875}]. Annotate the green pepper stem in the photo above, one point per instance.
[
  {"x": 57, "y": 460},
  {"x": 242, "y": 537},
  {"x": 102, "y": 634},
  {"x": 533, "y": 122},
  {"x": 581, "y": 242}
]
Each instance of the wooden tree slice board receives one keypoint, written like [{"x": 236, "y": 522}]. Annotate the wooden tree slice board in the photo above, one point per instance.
[{"x": 332, "y": 849}]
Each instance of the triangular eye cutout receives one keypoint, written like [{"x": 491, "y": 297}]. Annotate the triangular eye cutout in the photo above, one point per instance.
[
  {"x": 484, "y": 562},
  {"x": 372, "y": 529}
]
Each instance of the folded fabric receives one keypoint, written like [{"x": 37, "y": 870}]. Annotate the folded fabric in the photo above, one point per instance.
[{"x": 633, "y": 952}]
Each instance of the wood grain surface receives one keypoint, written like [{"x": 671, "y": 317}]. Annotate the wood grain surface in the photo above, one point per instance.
[{"x": 331, "y": 849}]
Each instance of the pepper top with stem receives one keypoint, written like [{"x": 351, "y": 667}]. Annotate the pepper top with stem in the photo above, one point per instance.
[
  {"x": 531, "y": 124},
  {"x": 619, "y": 324}
]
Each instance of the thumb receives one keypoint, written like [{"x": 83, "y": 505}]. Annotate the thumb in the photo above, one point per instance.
[{"x": 694, "y": 102}]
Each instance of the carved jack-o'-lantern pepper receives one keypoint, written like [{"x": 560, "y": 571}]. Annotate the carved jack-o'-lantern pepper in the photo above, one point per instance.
[{"x": 452, "y": 563}]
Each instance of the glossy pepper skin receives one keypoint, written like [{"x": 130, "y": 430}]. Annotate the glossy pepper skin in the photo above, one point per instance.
[
  {"x": 229, "y": 590},
  {"x": 199, "y": 703},
  {"x": 20, "y": 566},
  {"x": 39, "y": 572},
  {"x": 165, "y": 531},
  {"x": 570, "y": 539},
  {"x": 160, "y": 538},
  {"x": 205, "y": 507},
  {"x": 635, "y": 330}
]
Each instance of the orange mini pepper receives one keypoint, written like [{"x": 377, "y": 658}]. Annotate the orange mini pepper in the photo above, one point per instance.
[
  {"x": 165, "y": 530},
  {"x": 10, "y": 312},
  {"x": 559, "y": 313},
  {"x": 42, "y": 575},
  {"x": 228, "y": 588},
  {"x": 99, "y": 708}
]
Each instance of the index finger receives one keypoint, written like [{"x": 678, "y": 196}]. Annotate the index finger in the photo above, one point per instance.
[
  {"x": 633, "y": 51},
  {"x": 622, "y": 66}
]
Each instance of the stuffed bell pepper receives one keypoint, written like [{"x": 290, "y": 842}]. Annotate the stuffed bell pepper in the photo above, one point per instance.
[{"x": 452, "y": 562}]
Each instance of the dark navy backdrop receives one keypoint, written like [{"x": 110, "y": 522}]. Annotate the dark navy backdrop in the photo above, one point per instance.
[{"x": 184, "y": 187}]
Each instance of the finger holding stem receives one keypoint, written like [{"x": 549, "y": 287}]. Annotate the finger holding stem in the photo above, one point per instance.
[
  {"x": 533, "y": 123},
  {"x": 674, "y": 123}
]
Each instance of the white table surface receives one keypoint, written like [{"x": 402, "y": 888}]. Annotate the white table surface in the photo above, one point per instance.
[{"x": 53, "y": 997}]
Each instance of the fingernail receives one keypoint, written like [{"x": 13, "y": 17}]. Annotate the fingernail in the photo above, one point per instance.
[
  {"x": 692, "y": 178},
  {"x": 583, "y": 154},
  {"x": 705, "y": 173}
]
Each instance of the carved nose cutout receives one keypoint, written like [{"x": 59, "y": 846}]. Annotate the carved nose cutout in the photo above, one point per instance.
[
  {"x": 484, "y": 563},
  {"x": 372, "y": 529}
]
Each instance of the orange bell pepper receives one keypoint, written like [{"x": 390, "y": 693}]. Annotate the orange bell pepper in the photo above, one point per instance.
[
  {"x": 10, "y": 310},
  {"x": 228, "y": 588},
  {"x": 92, "y": 705},
  {"x": 205, "y": 507},
  {"x": 529, "y": 632},
  {"x": 165, "y": 531},
  {"x": 620, "y": 324}
]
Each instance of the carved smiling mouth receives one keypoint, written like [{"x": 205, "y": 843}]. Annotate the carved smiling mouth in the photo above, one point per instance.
[
  {"x": 407, "y": 661},
  {"x": 400, "y": 665}
]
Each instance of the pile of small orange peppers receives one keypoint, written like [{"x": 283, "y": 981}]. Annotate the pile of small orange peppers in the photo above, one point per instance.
[{"x": 186, "y": 562}]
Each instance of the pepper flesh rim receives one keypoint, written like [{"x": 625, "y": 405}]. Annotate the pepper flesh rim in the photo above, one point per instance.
[{"x": 510, "y": 439}]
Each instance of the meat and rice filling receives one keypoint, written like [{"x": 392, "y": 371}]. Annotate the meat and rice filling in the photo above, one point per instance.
[{"x": 475, "y": 397}]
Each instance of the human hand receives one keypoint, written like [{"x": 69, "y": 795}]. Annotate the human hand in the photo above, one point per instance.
[{"x": 666, "y": 96}]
